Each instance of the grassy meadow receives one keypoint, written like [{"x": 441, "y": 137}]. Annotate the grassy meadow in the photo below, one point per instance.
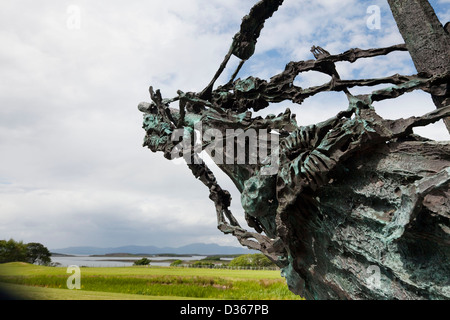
[{"x": 140, "y": 282}]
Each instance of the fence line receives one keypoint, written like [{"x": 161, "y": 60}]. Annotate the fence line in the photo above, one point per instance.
[{"x": 225, "y": 267}]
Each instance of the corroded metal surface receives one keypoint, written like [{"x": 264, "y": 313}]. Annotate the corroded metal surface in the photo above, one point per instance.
[{"x": 355, "y": 207}]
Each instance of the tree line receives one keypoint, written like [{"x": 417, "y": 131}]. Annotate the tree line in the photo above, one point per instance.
[
  {"x": 256, "y": 260},
  {"x": 33, "y": 252}
]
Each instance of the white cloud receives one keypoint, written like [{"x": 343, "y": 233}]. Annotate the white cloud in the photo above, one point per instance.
[{"x": 72, "y": 169}]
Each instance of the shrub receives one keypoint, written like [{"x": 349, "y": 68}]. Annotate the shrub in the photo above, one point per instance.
[
  {"x": 203, "y": 264},
  {"x": 251, "y": 260},
  {"x": 142, "y": 262},
  {"x": 176, "y": 263}
]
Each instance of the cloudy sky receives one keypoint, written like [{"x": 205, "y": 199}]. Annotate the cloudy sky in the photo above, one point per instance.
[{"x": 72, "y": 167}]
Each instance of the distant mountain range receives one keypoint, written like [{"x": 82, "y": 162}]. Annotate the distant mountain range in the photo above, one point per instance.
[{"x": 196, "y": 248}]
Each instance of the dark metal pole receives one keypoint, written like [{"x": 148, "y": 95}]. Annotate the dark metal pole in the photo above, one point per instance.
[{"x": 426, "y": 39}]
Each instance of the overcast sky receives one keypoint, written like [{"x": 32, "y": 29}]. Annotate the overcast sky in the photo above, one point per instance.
[{"x": 73, "y": 170}]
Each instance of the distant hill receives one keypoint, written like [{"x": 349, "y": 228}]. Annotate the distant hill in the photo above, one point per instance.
[{"x": 196, "y": 248}]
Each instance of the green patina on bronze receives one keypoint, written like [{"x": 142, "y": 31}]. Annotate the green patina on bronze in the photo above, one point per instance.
[{"x": 358, "y": 205}]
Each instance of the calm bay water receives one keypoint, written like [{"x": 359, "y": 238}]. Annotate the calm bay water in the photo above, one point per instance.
[{"x": 89, "y": 261}]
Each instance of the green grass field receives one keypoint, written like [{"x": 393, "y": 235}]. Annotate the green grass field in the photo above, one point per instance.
[{"x": 132, "y": 283}]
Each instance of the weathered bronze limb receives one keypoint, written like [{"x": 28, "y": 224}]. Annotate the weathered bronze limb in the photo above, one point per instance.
[{"x": 352, "y": 194}]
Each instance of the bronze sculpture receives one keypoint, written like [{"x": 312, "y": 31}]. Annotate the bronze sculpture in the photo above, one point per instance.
[{"x": 343, "y": 211}]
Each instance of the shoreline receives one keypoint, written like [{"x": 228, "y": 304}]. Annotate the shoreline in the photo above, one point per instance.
[{"x": 132, "y": 255}]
